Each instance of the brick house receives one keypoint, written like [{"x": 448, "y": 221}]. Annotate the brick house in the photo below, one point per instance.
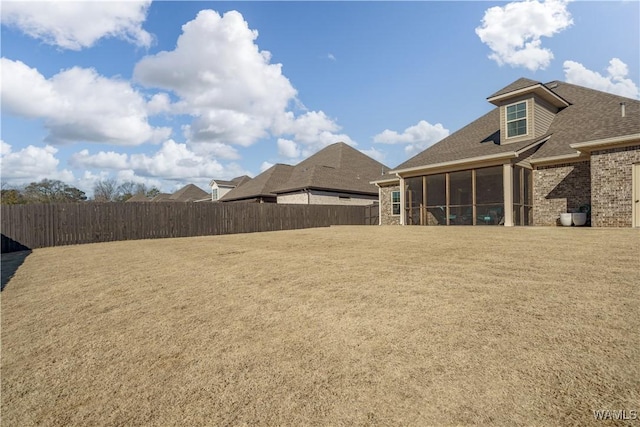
[
  {"x": 336, "y": 175},
  {"x": 545, "y": 149}
]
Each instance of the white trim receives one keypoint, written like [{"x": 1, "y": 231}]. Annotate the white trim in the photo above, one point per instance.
[
  {"x": 587, "y": 146},
  {"x": 507, "y": 184},
  {"x": 461, "y": 162},
  {"x": 384, "y": 181},
  {"x": 546, "y": 93},
  {"x": 526, "y": 119},
  {"x": 403, "y": 202}
]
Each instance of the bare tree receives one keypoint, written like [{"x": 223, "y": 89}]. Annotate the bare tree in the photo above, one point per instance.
[{"x": 106, "y": 191}]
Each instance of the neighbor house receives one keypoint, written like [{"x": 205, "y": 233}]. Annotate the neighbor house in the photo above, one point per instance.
[
  {"x": 336, "y": 175},
  {"x": 545, "y": 149},
  {"x": 188, "y": 193},
  {"x": 220, "y": 187}
]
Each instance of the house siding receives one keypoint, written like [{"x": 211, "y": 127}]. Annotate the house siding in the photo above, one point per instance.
[
  {"x": 386, "y": 217},
  {"x": 611, "y": 177},
  {"x": 317, "y": 197},
  {"x": 543, "y": 116},
  {"x": 558, "y": 189}
]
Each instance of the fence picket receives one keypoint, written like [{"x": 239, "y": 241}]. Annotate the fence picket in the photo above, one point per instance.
[{"x": 38, "y": 226}]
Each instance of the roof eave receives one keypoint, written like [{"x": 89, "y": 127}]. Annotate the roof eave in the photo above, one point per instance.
[
  {"x": 461, "y": 162},
  {"x": 539, "y": 89},
  {"x": 384, "y": 181},
  {"x": 616, "y": 141},
  {"x": 562, "y": 158}
]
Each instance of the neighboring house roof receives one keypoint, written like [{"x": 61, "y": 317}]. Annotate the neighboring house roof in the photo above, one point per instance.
[
  {"x": 590, "y": 115},
  {"x": 337, "y": 167},
  {"x": 161, "y": 197},
  {"x": 262, "y": 185},
  {"x": 189, "y": 193},
  {"x": 139, "y": 198},
  {"x": 235, "y": 182}
]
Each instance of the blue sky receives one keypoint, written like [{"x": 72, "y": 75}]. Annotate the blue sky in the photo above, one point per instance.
[{"x": 169, "y": 93}]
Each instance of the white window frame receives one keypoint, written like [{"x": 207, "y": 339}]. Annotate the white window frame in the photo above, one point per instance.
[
  {"x": 399, "y": 203},
  {"x": 525, "y": 118},
  {"x": 214, "y": 194}
]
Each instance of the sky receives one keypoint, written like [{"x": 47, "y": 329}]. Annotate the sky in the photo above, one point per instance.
[{"x": 168, "y": 93}]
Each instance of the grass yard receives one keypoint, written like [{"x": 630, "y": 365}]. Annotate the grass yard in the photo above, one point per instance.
[{"x": 334, "y": 326}]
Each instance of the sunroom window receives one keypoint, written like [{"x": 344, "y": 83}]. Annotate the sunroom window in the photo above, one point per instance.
[
  {"x": 395, "y": 203},
  {"x": 517, "y": 119}
]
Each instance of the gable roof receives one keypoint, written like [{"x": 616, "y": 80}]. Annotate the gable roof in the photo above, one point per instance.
[
  {"x": 235, "y": 182},
  {"x": 262, "y": 185},
  {"x": 521, "y": 83},
  {"x": 189, "y": 193},
  {"x": 161, "y": 197},
  {"x": 590, "y": 115},
  {"x": 140, "y": 197},
  {"x": 337, "y": 167}
]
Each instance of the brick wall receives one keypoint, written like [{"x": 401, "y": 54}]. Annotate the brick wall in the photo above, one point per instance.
[
  {"x": 386, "y": 216},
  {"x": 611, "y": 175},
  {"x": 560, "y": 188}
]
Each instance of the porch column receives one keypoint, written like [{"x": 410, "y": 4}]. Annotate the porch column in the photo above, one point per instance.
[
  {"x": 403, "y": 206},
  {"x": 507, "y": 184}
]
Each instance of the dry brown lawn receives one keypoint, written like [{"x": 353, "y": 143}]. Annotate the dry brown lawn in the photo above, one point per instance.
[{"x": 335, "y": 326}]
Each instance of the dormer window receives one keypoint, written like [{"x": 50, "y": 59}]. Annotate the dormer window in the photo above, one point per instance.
[{"x": 517, "y": 119}]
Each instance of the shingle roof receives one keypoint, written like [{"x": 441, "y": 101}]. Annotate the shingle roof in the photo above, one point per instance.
[
  {"x": 521, "y": 83},
  {"x": 592, "y": 115},
  {"x": 239, "y": 180},
  {"x": 140, "y": 197},
  {"x": 337, "y": 167},
  {"x": 189, "y": 193},
  {"x": 161, "y": 197},
  {"x": 262, "y": 185}
]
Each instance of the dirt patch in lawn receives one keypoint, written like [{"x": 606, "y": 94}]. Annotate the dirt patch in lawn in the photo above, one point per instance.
[{"x": 334, "y": 326}]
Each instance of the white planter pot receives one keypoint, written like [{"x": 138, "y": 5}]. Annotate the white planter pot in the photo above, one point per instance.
[
  {"x": 566, "y": 219},
  {"x": 579, "y": 219}
]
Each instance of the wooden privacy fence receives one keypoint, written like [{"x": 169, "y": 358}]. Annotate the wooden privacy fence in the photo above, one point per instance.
[{"x": 37, "y": 226}]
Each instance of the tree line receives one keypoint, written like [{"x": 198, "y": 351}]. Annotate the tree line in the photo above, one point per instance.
[{"x": 55, "y": 191}]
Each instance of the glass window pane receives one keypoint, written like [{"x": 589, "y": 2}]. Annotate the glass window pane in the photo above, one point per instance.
[
  {"x": 460, "y": 192},
  {"x": 395, "y": 203},
  {"x": 489, "y": 186},
  {"x": 436, "y": 190}
]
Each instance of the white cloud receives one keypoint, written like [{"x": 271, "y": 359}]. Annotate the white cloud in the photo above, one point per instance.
[
  {"x": 230, "y": 87},
  {"x": 102, "y": 160},
  {"x": 374, "y": 154},
  {"x": 159, "y": 103},
  {"x": 172, "y": 161},
  {"x": 616, "y": 81},
  {"x": 78, "y": 105},
  {"x": 288, "y": 148},
  {"x": 76, "y": 25},
  {"x": 222, "y": 78},
  {"x": 31, "y": 164},
  {"x": 417, "y": 137},
  {"x": 265, "y": 165},
  {"x": 331, "y": 57},
  {"x": 514, "y": 32},
  {"x": 311, "y": 131}
]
